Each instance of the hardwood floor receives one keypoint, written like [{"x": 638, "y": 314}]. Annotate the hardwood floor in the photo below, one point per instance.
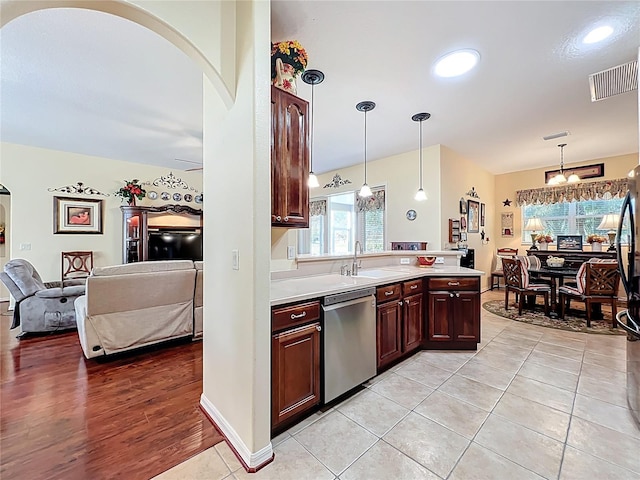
[{"x": 65, "y": 417}]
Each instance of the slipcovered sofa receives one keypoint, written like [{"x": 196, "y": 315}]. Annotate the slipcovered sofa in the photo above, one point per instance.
[{"x": 135, "y": 305}]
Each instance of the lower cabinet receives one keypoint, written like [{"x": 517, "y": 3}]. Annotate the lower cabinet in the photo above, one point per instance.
[{"x": 295, "y": 364}]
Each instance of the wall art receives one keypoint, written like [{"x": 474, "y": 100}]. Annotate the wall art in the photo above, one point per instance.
[
  {"x": 77, "y": 215},
  {"x": 472, "y": 193},
  {"x": 473, "y": 216},
  {"x": 482, "y": 214},
  {"x": 173, "y": 182},
  {"x": 463, "y": 206},
  {"x": 337, "y": 182},
  {"x": 506, "y": 224},
  {"x": 78, "y": 188}
]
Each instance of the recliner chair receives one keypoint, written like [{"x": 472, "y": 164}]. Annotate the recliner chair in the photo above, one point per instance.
[{"x": 39, "y": 308}]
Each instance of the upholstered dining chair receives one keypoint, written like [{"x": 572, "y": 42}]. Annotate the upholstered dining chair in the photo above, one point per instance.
[
  {"x": 76, "y": 267},
  {"x": 596, "y": 282},
  {"x": 497, "y": 274},
  {"x": 516, "y": 279}
]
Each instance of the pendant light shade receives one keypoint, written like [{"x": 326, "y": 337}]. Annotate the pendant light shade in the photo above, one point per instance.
[
  {"x": 421, "y": 117},
  {"x": 365, "y": 106},
  {"x": 560, "y": 178},
  {"x": 312, "y": 77}
]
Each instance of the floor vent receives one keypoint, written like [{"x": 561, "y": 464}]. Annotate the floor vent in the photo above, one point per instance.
[{"x": 616, "y": 80}]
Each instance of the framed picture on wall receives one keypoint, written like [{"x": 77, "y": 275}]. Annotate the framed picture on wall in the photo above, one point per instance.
[
  {"x": 482, "y": 214},
  {"x": 506, "y": 224},
  {"x": 473, "y": 216},
  {"x": 463, "y": 206},
  {"x": 77, "y": 215}
]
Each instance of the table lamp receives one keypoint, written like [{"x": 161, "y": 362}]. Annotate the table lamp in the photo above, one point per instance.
[
  {"x": 533, "y": 225},
  {"x": 610, "y": 223}
]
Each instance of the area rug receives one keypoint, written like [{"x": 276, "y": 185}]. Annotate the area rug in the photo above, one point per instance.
[{"x": 575, "y": 320}]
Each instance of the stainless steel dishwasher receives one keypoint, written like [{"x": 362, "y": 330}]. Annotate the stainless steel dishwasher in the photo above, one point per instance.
[{"x": 349, "y": 340}]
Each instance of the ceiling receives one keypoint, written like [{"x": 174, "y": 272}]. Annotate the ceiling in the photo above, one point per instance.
[{"x": 92, "y": 83}]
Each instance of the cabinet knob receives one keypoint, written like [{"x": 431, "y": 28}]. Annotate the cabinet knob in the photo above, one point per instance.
[
  {"x": 457, "y": 295},
  {"x": 451, "y": 295},
  {"x": 318, "y": 328},
  {"x": 286, "y": 219},
  {"x": 387, "y": 293},
  {"x": 407, "y": 302},
  {"x": 413, "y": 287},
  {"x": 278, "y": 218},
  {"x": 400, "y": 303}
]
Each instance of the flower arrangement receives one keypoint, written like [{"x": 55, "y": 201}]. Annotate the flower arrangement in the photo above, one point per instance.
[
  {"x": 132, "y": 190},
  {"x": 544, "y": 238},
  {"x": 596, "y": 239},
  {"x": 290, "y": 52}
]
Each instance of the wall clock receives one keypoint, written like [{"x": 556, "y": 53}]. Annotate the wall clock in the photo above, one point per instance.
[{"x": 411, "y": 214}]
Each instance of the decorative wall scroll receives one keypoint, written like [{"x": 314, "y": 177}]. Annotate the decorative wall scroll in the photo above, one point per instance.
[
  {"x": 173, "y": 182},
  {"x": 587, "y": 171},
  {"x": 78, "y": 188},
  {"x": 506, "y": 224},
  {"x": 77, "y": 215},
  {"x": 472, "y": 193},
  {"x": 337, "y": 182},
  {"x": 473, "y": 216}
]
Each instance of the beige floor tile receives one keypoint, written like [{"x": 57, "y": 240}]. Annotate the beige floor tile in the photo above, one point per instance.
[
  {"x": 549, "y": 375},
  {"x": 560, "y": 338},
  {"x": 606, "y": 414},
  {"x": 422, "y": 371},
  {"x": 459, "y": 416},
  {"x": 578, "y": 465},
  {"x": 229, "y": 457},
  {"x": 373, "y": 411},
  {"x": 601, "y": 389},
  {"x": 479, "y": 463},
  {"x": 533, "y": 415},
  {"x": 499, "y": 360},
  {"x": 542, "y": 393},
  {"x": 479, "y": 370},
  {"x": 525, "y": 447},
  {"x": 470, "y": 391},
  {"x": 291, "y": 462},
  {"x": 280, "y": 438},
  {"x": 618, "y": 351},
  {"x": 597, "y": 372},
  {"x": 428, "y": 443},
  {"x": 207, "y": 464},
  {"x": 314, "y": 417},
  {"x": 335, "y": 440},
  {"x": 561, "y": 363},
  {"x": 383, "y": 462},
  {"x": 604, "y": 443},
  {"x": 560, "y": 351},
  {"x": 614, "y": 363},
  {"x": 379, "y": 378},
  {"x": 403, "y": 391},
  {"x": 523, "y": 330},
  {"x": 448, "y": 361},
  {"x": 509, "y": 338},
  {"x": 516, "y": 352}
]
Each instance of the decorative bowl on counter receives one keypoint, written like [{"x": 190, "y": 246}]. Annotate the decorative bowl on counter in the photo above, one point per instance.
[
  {"x": 426, "y": 261},
  {"x": 555, "y": 262}
]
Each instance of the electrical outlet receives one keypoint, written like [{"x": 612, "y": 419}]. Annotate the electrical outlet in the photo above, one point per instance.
[
  {"x": 439, "y": 259},
  {"x": 235, "y": 259},
  {"x": 25, "y": 246},
  {"x": 291, "y": 252},
  {"x": 405, "y": 261}
]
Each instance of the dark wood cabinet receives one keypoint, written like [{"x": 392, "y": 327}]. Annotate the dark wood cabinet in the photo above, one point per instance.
[
  {"x": 453, "y": 313},
  {"x": 389, "y": 332},
  {"x": 413, "y": 322},
  {"x": 289, "y": 160},
  {"x": 295, "y": 362},
  {"x": 572, "y": 259}
]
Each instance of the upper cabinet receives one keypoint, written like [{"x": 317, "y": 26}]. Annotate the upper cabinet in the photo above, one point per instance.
[{"x": 289, "y": 160}]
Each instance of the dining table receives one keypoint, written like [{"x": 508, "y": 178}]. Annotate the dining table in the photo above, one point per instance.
[{"x": 557, "y": 276}]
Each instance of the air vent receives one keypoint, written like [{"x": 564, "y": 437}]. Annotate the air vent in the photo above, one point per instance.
[{"x": 616, "y": 80}]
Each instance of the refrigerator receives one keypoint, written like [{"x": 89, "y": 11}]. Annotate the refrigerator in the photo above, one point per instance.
[{"x": 629, "y": 264}]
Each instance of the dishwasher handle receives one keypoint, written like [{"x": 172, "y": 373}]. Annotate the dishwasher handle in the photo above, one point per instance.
[{"x": 368, "y": 298}]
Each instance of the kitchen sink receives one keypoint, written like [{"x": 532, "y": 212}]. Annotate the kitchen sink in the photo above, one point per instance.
[{"x": 376, "y": 273}]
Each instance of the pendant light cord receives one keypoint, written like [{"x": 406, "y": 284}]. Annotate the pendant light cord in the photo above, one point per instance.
[
  {"x": 365, "y": 146},
  {"x": 420, "y": 154},
  {"x": 312, "y": 126}
]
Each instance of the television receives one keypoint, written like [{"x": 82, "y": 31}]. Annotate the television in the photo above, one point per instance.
[{"x": 175, "y": 246}]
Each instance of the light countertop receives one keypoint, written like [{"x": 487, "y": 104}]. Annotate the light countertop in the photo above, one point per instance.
[{"x": 303, "y": 288}]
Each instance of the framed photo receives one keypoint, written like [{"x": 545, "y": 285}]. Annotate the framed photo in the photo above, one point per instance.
[
  {"x": 569, "y": 242},
  {"x": 506, "y": 224},
  {"x": 473, "y": 216},
  {"x": 463, "y": 206},
  {"x": 463, "y": 223},
  {"x": 463, "y": 236},
  {"x": 77, "y": 215},
  {"x": 482, "y": 214},
  {"x": 587, "y": 171}
]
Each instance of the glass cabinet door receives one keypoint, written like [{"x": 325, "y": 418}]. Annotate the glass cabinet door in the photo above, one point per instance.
[{"x": 133, "y": 227}]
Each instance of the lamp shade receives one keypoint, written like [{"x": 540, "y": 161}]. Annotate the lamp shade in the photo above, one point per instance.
[
  {"x": 533, "y": 225},
  {"x": 609, "y": 222}
]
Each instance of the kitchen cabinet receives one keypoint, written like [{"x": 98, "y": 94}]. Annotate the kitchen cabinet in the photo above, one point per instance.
[
  {"x": 399, "y": 321},
  {"x": 453, "y": 313},
  {"x": 295, "y": 361},
  {"x": 289, "y": 160}
]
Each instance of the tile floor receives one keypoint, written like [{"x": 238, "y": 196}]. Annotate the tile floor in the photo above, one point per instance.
[{"x": 531, "y": 403}]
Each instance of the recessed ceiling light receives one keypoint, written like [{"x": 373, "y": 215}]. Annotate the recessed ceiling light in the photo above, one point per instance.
[
  {"x": 456, "y": 63},
  {"x": 598, "y": 34}
]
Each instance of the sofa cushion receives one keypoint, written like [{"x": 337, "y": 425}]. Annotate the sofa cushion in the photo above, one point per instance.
[{"x": 143, "y": 267}]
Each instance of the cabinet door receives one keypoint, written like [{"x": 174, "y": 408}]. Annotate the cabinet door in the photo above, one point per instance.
[
  {"x": 134, "y": 229},
  {"x": 440, "y": 316},
  {"x": 389, "y": 332},
  {"x": 413, "y": 322},
  {"x": 466, "y": 316},
  {"x": 295, "y": 372}
]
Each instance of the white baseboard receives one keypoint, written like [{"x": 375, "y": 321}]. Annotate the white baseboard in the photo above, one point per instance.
[{"x": 252, "y": 460}]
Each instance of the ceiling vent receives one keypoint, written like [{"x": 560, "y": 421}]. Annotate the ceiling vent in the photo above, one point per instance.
[{"x": 616, "y": 80}]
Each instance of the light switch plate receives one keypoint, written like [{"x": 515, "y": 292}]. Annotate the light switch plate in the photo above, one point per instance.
[
  {"x": 291, "y": 252},
  {"x": 25, "y": 246},
  {"x": 405, "y": 261},
  {"x": 235, "y": 259},
  {"x": 439, "y": 259}
]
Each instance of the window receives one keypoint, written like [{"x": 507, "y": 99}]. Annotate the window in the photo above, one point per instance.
[
  {"x": 572, "y": 218},
  {"x": 335, "y": 223}
]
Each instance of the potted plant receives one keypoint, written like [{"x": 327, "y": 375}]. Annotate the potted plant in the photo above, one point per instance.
[
  {"x": 544, "y": 239},
  {"x": 596, "y": 242},
  {"x": 288, "y": 60},
  {"x": 131, "y": 190}
]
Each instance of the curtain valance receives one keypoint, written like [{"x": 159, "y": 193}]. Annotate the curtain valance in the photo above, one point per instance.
[
  {"x": 575, "y": 192},
  {"x": 317, "y": 207},
  {"x": 374, "y": 202}
]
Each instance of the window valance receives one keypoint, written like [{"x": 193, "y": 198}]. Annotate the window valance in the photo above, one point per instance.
[
  {"x": 374, "y": 202},
  {"x": 317, "y": 207},
  {"x": 601, "y": 190}
]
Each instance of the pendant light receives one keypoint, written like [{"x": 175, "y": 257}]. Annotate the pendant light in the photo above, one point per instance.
[
  {"x": 365, "y": 106},
  {"x": 560, "y": 177},
  {"x": 421, "y": 117},
  {"x": 312, "y": 77}
]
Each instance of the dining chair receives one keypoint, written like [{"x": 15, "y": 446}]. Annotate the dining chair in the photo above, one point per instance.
[
  {"x": 597, "y": 282},
  {"x": 76, "y": 267},
  {"x": 516, "y": 279},
  {"x": 497, "y": 274}
]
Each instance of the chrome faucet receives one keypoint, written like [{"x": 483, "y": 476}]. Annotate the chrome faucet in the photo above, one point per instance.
[{"x": 355, "y": 266}]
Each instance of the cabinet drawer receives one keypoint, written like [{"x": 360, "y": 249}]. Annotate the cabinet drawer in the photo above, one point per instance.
[
  {"x": 390, "y": 292},
  {"x": 454, "y": 283},
  {"x": 412, "y": 287},
  {"x": 288, "y": 317}
]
